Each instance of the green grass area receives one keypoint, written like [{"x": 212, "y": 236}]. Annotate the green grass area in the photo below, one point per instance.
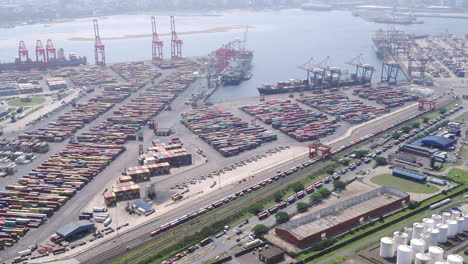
[
  {"x": 403, "y": 184},
  {"x": 338, "y": 260},
  {"x": 458, "y": 175},
  {"x": 34, "y": 110},
  {"x": 462, "y": 117},
  {"x": 34, "y": 101}
]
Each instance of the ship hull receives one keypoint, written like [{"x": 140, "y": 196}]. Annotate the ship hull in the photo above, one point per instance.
[
  {"x": 38, "y": 65},
  {"x": 263, "y": 90}
]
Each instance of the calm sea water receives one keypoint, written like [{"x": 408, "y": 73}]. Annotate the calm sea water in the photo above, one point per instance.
[{"x": 281, "y": 40}]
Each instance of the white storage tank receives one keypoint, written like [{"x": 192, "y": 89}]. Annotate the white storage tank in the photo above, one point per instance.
[
  {"x": 418, "y": 245},
  {"x": 400, "y": 238},
  {"x": 386, "y": 247},
  {"x": 452, "y": 228},
  {"x": 403, "y": 255},
  {"x": 454, "y": 259},
  {"x": 434, "y": 236},
  {"x": 460, "y": 223},
  {"x": 440, "y": 262},
  {"x": 445, "y": 217},
  {"x": 418, "y": 230},
  {"x": 427, "y": 239},
  {"x": 443, "y": 233},
  {"x": 429, "y": 223},
  {"x": 465, "y": 222},
  {"x": 455, "y": 214},
  {"x": 422, "y": 258},
  {"x": 409, "y": 231},
  {"x": 437, "y": 219},
  {"x": 436, "y": 253}
]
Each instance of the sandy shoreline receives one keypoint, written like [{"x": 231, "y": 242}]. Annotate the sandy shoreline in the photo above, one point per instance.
[{"x": 193, "y": 32}]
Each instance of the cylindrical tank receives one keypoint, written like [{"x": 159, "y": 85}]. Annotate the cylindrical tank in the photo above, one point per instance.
[
  {"x": 418, "y": 229},
  {"x": 440, "y": 262},
  {"x": 429, "y": 223},
  {"x": 422, "y": 258},
  {"x": 400, "y": 238},
  {"x": 434, "y": 236},
  {"x": 460, "y": 223},
  {"x": 452, "y": 228},
  {"x": 455, "y": 214},
  {"x": 418, "y": 245},
  {"x": 403, "y": 255},
  {"x": 409, "y": 231},
  {"x": 443, "y": 233},
  {"x": 465, "y": 222},
  {"x": 427, "y": 239},
  {"x": 454, "y": 259},
  {"x": 386, "y": 247},
  {"x": 437, "y": 219},
  {"x": 436, "y": 253},
  {"x": 445, "y": 217}
]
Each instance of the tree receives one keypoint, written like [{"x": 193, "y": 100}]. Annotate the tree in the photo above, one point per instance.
[
  {"x": 361, "y": 153},
  {"x": 345, "y": 162},
  {"x": 324, "y": 192},
  {"x": 413, "y": 204},
  {"x": 396, "y": 135},
  {"x": 298, "y": 186},
  {"x": 281, "y": 217},
  {"x": 339, "y": 184},
  {"x": 255, "y": 209},
  {"x": 302, "y": 207},
  {"x": 278, "y": 196},
  {"x": 406, "y": 129},
  {"x": 260, "y": 230},
  {"x": 416, "y": 125},
  {"x": 443, "y": 110},
  {"x": 426, "y": 120},
  {"x": 330, "y": 170},
  {"x": 315, "y": 197},
  {"x": 380, "y": 161}
]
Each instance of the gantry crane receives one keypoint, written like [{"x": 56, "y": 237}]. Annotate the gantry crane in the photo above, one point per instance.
[
  {"x": 157, "y": 43},
  {"x": 364, "y": 71},
  {"x": 40, "y": 52},
  {"x": 23, "y": 52},
  {"x": 176, "y": 43},
  {"x": 99, "y": 50},
  {"x": 51, "y": 53}
]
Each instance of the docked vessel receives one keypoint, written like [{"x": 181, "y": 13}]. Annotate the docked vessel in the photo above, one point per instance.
[
  {"x": 61, "y": 61},
  {"x": 237, "y": 69},
  {"x": 379, "y": 41},
  {"x": 302, "y": 85}
]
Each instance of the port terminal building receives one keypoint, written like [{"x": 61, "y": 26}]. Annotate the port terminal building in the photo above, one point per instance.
[{"x": 343, "y": 216}]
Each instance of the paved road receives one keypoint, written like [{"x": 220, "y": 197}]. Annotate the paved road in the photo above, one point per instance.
[{"x": 226, "y": 190}]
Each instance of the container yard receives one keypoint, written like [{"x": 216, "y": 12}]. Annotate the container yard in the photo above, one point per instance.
[
  {"x": 137, "y": 73},
  {"x": 391, "y": 97},
  {"x": 339, "y": 105},
  {"x": 294, "y": 121},
  {"x": 87, "y": 75},
  {"x": 224, "y": 132}
]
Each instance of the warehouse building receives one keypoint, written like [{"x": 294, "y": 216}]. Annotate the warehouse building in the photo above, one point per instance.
[
  {"x": 419, "y": 150},
  {"x": 434, "y": 142},
  {"x": 271, "y": 255},
  {"x": 409, "y": 175},
  {"x": 75, "y": 229},
  {"x": 340, "y": 217}
]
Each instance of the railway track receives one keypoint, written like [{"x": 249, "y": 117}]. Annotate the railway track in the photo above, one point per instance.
[{"x": 195, "y": 225}]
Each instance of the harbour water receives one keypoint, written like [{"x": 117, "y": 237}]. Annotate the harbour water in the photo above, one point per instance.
[{"x": 281, "y": 40}]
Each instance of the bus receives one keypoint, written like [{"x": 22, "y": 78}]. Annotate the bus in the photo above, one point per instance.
[{"x": 252, "y": 243}]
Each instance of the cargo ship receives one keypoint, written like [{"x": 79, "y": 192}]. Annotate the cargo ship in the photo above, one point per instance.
[
  {"x": 61, "y": 61},
  {"x": 237, "y": 69},
  {"x": 379, "y": 41},
  {"x": 301, "y": 85}
]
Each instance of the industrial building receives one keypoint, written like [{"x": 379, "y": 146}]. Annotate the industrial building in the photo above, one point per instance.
[
  {"x": 75, "y": 228},
  {"x": 419, "y": 150},
  {"x": 342, "y": 216},
  {"x": 409, "y": 175},
  {"x": 434, "y": 142},
  {"x": 271, "y": 255}
]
